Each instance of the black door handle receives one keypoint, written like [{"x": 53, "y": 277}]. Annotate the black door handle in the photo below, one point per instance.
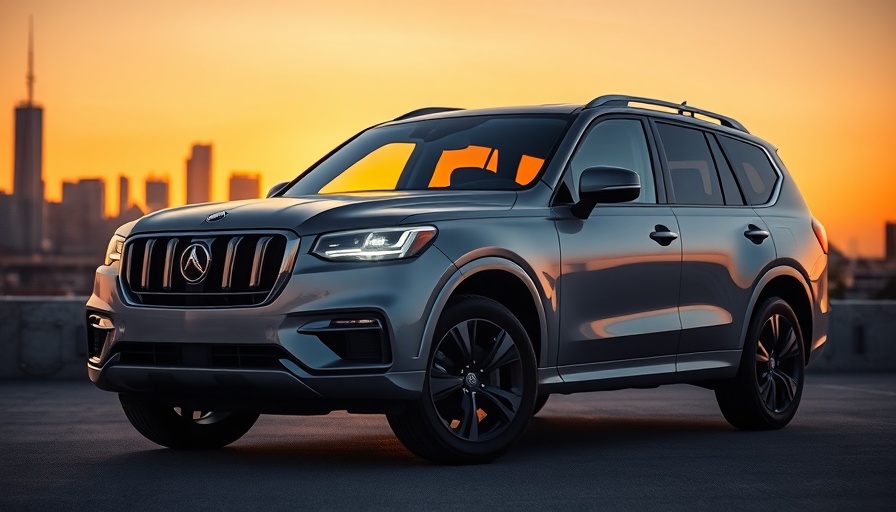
[
  {"x": 662, "y": 235},
  {"x": 756, "y": 234}
]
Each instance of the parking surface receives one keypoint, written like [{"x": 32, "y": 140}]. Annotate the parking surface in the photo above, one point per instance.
[{"x": 66, "y": 445}]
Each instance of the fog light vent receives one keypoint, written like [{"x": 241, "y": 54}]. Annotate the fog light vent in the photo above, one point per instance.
[
  {"x": 354, "y": 340},
  {"x": 99, "y": 330}
]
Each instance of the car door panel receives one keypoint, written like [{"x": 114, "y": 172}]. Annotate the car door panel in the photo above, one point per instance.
[
  {"x": 720, "y": 266},
  {"x": 618, "y": 286}
]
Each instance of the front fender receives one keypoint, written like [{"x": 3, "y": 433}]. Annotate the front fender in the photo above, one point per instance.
[{"x": 469, "y": 269}]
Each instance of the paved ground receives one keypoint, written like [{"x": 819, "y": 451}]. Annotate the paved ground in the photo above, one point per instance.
[{"x": 67, "y": 446}]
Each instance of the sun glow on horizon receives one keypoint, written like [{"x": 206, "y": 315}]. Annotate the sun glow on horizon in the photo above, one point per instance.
[{"x": 127, "y": 88}]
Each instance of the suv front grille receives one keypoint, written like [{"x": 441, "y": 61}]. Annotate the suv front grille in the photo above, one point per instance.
[{"x": 204, "y": 270}]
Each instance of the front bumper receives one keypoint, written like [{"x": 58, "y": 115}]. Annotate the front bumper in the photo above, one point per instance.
[{"x": 314, "y": 372}]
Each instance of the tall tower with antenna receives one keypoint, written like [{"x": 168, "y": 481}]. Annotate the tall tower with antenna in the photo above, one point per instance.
[{"x": 28, "y": 185}]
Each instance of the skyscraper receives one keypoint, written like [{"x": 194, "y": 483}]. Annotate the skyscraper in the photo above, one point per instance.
[
  {"x": 156, "y": 194},
  {"x": 7, "y": 224},
  {"x": 83, "y": 204},
  {"x": 28, "y": 185},
  {"x": 124, "y": 195},
  {"x": 199, "y": 174},
  {"x": 245, "y": 185}
]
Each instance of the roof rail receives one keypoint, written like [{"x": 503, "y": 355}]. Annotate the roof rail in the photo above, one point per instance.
[
  {"x": 425, "y": 111},
  {"x": 621, "y": 100}
]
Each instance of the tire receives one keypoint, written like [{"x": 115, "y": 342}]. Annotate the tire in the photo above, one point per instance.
[
  {"x": 184, "y": 430},
  {"x": 540, "y": 403},
  {"x": 769, "y": 384},
  {"x": 480, "y": 386}
]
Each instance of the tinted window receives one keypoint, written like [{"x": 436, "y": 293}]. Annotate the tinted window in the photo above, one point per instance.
[
  {"x": 729, "y": 184},
  {"x": 691, "y": 167},
  {"x": 504, "y": 152},
  {"x": 379, "y": 170},
  {"x": 755, "y": 173},
  {"x": 617, "y": 143}
]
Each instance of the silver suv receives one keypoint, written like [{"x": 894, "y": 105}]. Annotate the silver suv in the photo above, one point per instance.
[{"x": 454, "y": 268}]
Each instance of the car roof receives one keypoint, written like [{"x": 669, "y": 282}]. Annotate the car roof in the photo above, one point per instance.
[
  {"x": 619, "y": 103},
  {"x": 442, "y": 112}
]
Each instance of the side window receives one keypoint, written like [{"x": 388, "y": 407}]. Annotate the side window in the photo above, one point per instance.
[
  {"x": 691, "y": 167},
  {"x": 617, "y": 143},
  {"x": 732, "y": 193},
  {"x": 753, "y": 170}
]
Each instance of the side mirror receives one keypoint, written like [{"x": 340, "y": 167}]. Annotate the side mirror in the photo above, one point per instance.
[
  {"x": 605, "y": 184},
  {"x": 276, "y": 188}
]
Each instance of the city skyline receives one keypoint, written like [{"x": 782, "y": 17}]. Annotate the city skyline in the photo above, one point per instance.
[{"x": 128, "y": 88}]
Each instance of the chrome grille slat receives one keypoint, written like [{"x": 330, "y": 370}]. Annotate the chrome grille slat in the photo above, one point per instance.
[
  {"x": 147, "y": 260},
  {"x": 243, "y": 269},
  {"x": 232, "y": 247},
  {"x": 260, "y": 248},
  {"x": 169, "y": 264}
]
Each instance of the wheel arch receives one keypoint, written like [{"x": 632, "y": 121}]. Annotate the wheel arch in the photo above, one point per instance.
[
  {"x": 789, "y": 284},
  {"x": 503, "y": 281}
]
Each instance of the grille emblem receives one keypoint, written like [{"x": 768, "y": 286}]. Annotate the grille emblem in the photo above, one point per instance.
[
  {"x": 195, "y": 262},
  {"x": 216, "y": 216}
]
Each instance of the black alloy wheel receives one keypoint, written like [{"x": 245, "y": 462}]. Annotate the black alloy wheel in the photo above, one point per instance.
[
  {"x": 480, "y": 386},
  {"x": 476, "y": 380},
  {"x": 769, "y": 384},
  {"x": 779, "y": 367}
]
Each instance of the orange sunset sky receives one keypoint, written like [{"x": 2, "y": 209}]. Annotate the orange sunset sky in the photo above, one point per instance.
[{"x": 128, "y": 86}]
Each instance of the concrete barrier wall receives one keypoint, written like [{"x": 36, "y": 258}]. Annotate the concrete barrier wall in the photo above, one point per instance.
[
  {"x": 44, "y": 337},
  {"x": 861, "y": 337}
]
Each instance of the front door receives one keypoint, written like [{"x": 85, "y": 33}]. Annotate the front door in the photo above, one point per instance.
[{"x": 621, "y": 268}]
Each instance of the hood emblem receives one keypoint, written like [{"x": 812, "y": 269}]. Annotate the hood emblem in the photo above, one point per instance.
[
  {"x": 195, "y": 262},
  {"x": 216, "y": 216}
]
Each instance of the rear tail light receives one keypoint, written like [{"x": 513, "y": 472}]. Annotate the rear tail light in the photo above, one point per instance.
[{"x": 821, "y": 235}]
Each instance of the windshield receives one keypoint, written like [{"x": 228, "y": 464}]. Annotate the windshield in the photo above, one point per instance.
[{"x": 501, "y": 152}]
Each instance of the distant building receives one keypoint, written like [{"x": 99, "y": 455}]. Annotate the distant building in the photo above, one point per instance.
[
  {"x": 83, "y": 227},
  {"x": 199, "y": 174},
  {"x": 244, "y": 185},
  {"x": 7, "y": 224},
  {"x": 88, "y": 196},
  {"x": 864, "y": 278},
  {"x": 124, "y": 195},
  {"x": 28, "y": 185},
  {"x": 156, "y": 194},
  {"x": 890, "y": 236},
  {"x": 133, "y": 212}
]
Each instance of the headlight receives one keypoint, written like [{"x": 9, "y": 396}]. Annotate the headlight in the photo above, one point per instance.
[
  {"x": 374, "y": 244},
  {"x": 113, "y": 250}
]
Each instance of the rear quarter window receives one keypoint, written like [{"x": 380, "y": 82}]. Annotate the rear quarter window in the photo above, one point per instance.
[{"x": 752, "y": 168}]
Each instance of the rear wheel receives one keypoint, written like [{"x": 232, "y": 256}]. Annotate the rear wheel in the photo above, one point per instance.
[
  {"x": 175, "y": 427},
  {"x": 769, "y": 383},
  {"x": 480, "y": 386}
]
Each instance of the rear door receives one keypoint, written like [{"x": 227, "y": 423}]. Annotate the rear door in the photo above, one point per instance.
[
  {"x": 725, "y": 246},
  {"x": 620, "y": 267}
]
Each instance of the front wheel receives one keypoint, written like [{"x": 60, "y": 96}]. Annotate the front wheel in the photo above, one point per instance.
[
  {"x": 184, "y": 429},
  {"x": 480, "y": 386},
  {"x": 769, "y": 383}
]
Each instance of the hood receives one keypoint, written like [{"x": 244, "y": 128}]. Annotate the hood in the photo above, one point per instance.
[{"x": 317, "y": 214}]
